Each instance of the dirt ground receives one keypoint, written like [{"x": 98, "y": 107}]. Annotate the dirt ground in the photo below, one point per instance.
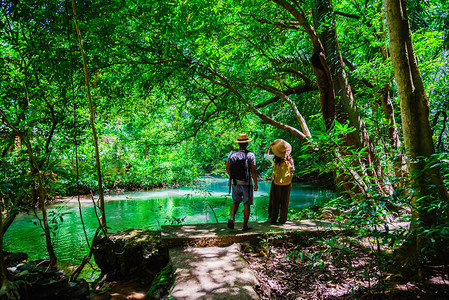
[
  {"x": 122, "y": 290},
  {"x": 317, "y": 271},
  {"x": 285, "y": 271}
]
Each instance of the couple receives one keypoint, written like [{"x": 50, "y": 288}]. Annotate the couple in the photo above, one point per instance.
[{"x": 241, "y": 166}]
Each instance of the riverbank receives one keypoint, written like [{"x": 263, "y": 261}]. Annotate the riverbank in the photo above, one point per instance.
[
  {"x": 115, "y": 192},
  {"x": 324, "y": 181}
]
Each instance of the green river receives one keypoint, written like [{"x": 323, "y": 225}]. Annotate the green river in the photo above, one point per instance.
[{"x": 150, "y": 210}]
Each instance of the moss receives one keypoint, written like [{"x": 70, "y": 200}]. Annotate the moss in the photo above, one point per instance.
[{"x": 161, "y": 283}]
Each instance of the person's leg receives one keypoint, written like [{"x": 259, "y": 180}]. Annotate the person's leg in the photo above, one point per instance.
[
  {"x": 270, "y": 202},
  {"x": 238, "y": 195},
  {"x": 285, "y": 201},
  {"x": 246, "y": 213},
  {"x": 275, "y": 202},
  {"x": 247, "y": 202},
  {"x": 236, "y": 199},
  {"x": 234, "y": 209}
]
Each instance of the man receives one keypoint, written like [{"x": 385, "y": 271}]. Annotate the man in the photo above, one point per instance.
[{"x": 241, "y": 166}]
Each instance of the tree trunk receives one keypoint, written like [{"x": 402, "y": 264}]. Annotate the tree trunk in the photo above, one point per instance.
[
  {"x": 388, "y": 109},
  {"x": 424, "y": 176},
  {"x": 3, "y": 277},
  {"x": 8, "y": 221},
  {"x": 92, "y": 123},
  {"x": 42, "y": 195},
  {"x": 346, "y": 106},
  {"x": 319, "y": 63},
  {"x": 393, "y": 133},
  {"x": 414, "y": 103},
  {"x": 42, "y": 199}
]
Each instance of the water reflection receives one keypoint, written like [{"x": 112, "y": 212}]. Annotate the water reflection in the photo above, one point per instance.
[{"x": 148, "y": 210}]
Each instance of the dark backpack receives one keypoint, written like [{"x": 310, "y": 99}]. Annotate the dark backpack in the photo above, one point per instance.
[{"x": 238, "y": 165}]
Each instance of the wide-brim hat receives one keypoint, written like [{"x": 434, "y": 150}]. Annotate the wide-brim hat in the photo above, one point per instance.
[
  {"x": 243, "y": 138},
  {"x": 281, "y": 148}
]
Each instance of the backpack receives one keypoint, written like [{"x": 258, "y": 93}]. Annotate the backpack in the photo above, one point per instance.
[
  {"x": 238, "y": 165},
  {"x": 282, "y": 173}
]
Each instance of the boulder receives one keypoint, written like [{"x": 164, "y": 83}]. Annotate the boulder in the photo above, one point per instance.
[
  {"x": 44, "y": 283},
  {"x": 134, "y": 253},
  {"x": 13, "y": 259}
]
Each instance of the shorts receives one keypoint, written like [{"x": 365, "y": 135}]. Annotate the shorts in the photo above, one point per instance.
[{"x": 242, "y": 193}]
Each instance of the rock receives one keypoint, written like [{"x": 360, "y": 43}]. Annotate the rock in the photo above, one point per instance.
[
  {"x": 12, "y": 259},
  {"x": 15, "y": 290},
  {"x": 134, "y": 253},
  {"x": 44, "y": 283}
]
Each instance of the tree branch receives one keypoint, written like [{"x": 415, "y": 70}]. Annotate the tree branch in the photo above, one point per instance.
[
  {"x": 299, "y": 74},
  {"x": 50, "y": 135},
  {"x": 225, "y": 83},
  {"x": 351, "y": 16},
  {"x": 289, "y": 25},
  {"x": 291, "y": 91},
  {"x": 222, "y": 81},
  {"x": 298, "y": 115}
]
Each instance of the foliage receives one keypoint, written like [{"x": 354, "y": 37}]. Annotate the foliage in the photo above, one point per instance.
[
  {"x": 161, "y": 282},
  {"x": 383, "y": 221},
  {"x": 173, "y": 83},
  {"x": 142, "y": 111},
  {"x": 270, "y": 240}
]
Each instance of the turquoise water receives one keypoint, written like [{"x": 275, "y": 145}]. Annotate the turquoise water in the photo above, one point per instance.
[{"x": 148, "y": 210}]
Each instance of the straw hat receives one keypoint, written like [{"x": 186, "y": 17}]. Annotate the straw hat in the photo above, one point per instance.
[
  {"x": 281, "y": 148},
  {"x": 243, "y": 138}
]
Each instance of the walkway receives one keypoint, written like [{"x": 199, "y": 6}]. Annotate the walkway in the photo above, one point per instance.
[
  {"x": 217, "y": 271},
  {"x": 218, "y": 234},
  {"x": 206, "y": 258},
  {"x": 211, "y": 273}
]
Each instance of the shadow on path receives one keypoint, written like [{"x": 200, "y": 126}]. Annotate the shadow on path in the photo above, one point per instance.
[{"x": 212, "y": 273}]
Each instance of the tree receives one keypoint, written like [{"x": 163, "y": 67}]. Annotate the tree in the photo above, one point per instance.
[
  {"x": 229, "y": 62},
  {"x": 336, "y": 98},
  {"x": 424, "y": 173},
  {"x": 28, "y": 108},
  {"x": 92, "y": 123},
  {"x": 4, "y": 281}
]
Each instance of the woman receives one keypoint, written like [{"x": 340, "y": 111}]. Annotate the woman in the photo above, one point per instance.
[{"x": 283, "y": 169}]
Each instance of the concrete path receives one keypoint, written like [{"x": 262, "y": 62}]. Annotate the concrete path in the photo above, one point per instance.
[
  {"x": 211, "y": 273},
  {"x": 218, "y": 234},
  {"x": 208, "y": 271}
]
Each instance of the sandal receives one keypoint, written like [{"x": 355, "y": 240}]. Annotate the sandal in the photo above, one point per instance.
[{"x": 230, "y": 224}]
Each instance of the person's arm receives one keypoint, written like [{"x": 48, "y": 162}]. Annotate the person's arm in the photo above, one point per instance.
[
  {"x": 268, "y": 156},
  {"x": 292, "y": 164},
  {"x": 228, "y": 166},
  {"x": 254, "y": 175},
  {"x": 269, "y": 147}
]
